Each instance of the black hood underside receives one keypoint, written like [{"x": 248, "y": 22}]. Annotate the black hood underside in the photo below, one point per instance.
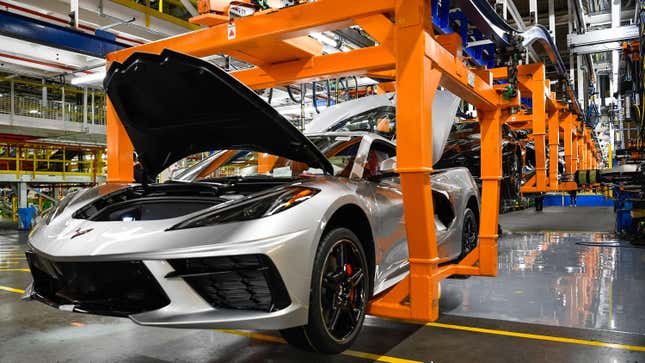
[{"x": 173, "y": 105}]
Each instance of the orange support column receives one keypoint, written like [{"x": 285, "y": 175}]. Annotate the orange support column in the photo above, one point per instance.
[
  {"x": 491, "y": 175},
  {"x": 554, "y": 143},
  {"x": 532, "y": 76},
  {"x": 580, "y": 141},
  {"x": 568, "y": 129},
  {"x": 582, "y": 154},
  {"x": 119, "y": 149},
  {"x": 416, "y": 84}
]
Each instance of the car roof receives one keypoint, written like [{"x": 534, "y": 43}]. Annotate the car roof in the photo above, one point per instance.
[
  {"x": 342, "y": 111},
  {"x": 364, "y": 134}
]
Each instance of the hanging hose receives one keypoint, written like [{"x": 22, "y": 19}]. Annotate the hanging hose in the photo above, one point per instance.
[
  {"x": 336, "y": 89},
  {"x": 314, "y": 97},
  {"x": 345, "y": 83},
  {"x": 328, "y": 94},
  {"x": 355, "y": 85},
  {"x": 292, "y": 97},
  {"x": 348, "y": 96}
]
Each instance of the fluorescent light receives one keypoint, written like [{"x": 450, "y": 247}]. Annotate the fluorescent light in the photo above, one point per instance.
[{"x": 89, "y": 78}]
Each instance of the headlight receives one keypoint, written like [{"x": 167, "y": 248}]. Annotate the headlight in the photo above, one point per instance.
[{"x": 263, "y": 206}]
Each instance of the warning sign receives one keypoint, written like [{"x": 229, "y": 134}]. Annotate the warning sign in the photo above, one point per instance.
[{"x": 232, "y": 33}]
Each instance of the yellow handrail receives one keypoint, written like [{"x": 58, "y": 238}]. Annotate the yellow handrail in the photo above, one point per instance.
[{"x": 40, "y": 159}]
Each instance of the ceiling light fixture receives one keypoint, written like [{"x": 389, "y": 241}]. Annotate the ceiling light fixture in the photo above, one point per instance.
[{"x": 89, "y": 78}]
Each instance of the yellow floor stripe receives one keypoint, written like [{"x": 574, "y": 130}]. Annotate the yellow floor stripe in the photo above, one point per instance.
[
  {"x": 550, "y": 338},
  {"x": 388, "y": 359},
  {"x": 11, "y": 289},
  {"x": 351, "y": 353},
  {"x": 3, "y": 269}
]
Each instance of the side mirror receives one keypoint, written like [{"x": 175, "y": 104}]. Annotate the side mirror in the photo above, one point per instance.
[{"x": 388, "y": 166}]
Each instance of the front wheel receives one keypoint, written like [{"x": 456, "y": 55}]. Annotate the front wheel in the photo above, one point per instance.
[{"x": 338, "y": 297}]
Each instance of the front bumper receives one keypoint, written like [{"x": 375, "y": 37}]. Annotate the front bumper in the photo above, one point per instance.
[
  {"x": 120, "y": 288},
  {"x": 236, "y": 288}
]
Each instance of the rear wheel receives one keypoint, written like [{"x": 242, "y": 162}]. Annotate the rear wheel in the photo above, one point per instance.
[
  {"x": 516, "y": 182},
  {"x": 469, "y": 232},
  {"x": 338, "y": 297},
  {"x": 539, "y": 203}
]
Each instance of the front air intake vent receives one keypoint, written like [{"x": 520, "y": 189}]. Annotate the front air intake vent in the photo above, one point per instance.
[
  {"x": 119, "y": 288},
  {"x": 247, "y": 282}
]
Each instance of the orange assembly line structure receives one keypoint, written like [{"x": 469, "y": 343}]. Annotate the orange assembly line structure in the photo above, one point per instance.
[
  {"x": 277, "y": 43},
  {"x": 550, "y": 123}
]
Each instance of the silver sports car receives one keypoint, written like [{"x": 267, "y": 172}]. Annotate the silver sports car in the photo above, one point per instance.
[{"x": 280, "y": 231}]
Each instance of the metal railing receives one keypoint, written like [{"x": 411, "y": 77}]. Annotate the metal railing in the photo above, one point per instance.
[
  {"x": 168, "y": 10},
  {"x": 54, "y": 102},
  {"x": 51, "y": 160}
]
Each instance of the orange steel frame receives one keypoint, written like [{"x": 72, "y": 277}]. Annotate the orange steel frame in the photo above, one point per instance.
[
  {"x": 550, "y": 121},
  {"x": 420, "y": 61}
]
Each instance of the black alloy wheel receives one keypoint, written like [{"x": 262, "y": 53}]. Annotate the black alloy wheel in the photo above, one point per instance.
[
  {"x": 469, "y": 232},
  {"x": 339, "y": 294},
  {"x": 515, "y": 178},
  {"x": 343, "y": 290}
]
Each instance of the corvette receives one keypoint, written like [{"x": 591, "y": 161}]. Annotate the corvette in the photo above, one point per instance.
[
  {"x": 277, "y": 231},
  {"x": 457, "y": 144}
]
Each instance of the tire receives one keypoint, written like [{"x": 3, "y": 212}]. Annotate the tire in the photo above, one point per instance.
[
  {"x": 516, "y": 182},
  {"x": 340, "y": 286},
  {"x": 512, "y": 178},
  {"x": 539, "y": 204},
  {"x": 469, "y": 232}
]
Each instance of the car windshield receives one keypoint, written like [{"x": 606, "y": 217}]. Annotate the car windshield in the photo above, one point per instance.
[
  {"x": 379, "y": 120},
  {"x": 339, "y": 150}
]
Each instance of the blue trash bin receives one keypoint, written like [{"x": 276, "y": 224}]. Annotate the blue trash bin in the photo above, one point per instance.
[{"x": 25, "y": 216}]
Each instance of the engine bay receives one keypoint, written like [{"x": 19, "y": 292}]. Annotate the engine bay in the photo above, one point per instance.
[{"x": 170, "y": 200}]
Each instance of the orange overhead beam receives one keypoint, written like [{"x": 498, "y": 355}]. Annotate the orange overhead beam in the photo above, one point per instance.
[
  {"x": 253, "y": 32},
  {"x": 359, "y": 61},
  {"x": 460, "y": 79}
]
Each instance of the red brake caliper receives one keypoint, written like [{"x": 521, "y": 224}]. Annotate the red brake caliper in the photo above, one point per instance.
[{"x": 348, "y": 269}]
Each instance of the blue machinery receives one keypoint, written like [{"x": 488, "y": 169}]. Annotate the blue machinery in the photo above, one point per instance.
[{"x": 33, "y": 30}]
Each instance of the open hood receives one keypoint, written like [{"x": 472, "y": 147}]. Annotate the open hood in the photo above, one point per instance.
[{"x": 173, "y": 105}]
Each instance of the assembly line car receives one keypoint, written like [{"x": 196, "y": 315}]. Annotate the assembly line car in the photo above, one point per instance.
[
  {"x": 459, "y": 141},
  {"x": 275, "y": 231},
  {"x": 463, "y": 148}
]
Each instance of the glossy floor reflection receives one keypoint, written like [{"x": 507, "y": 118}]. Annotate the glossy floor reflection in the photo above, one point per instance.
[
  {"x": 547, "y": 278},
  {"x": 580, "y": 280}
]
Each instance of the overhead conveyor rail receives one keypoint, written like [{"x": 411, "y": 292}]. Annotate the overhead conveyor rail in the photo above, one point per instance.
[
  {"x": 484, "y": 17},
  {"x": 276, "y": 42}
]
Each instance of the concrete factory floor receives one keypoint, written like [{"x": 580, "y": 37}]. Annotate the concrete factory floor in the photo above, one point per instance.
[{"x": 559, "y": 297}]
